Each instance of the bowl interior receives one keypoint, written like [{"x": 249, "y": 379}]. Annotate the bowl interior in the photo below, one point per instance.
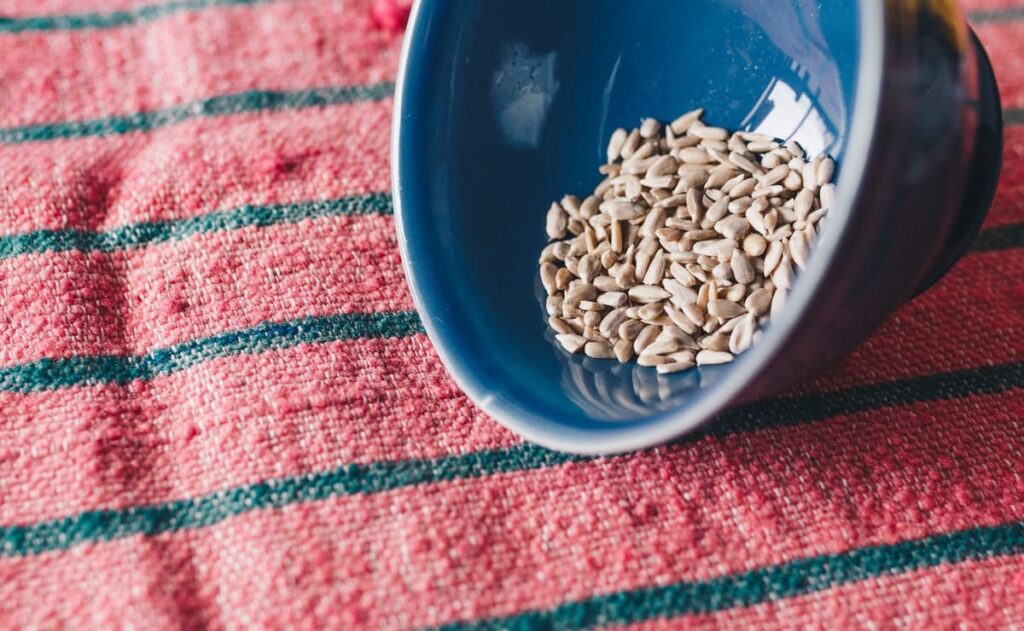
[{"x": 508, "y": 104}]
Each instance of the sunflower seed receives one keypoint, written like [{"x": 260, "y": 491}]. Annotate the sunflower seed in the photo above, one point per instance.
[
  {"x": 612, "y": 299},
  {"x": 716, "y": 248},
  {"x": 795, "y": 148},
  {"x": 825, "y": 170},
  {"x": 599, "y": 350},
  {"x": 736, "y": 293},
  {"x": 694, "y": 155},
  {"x": 557, "y": 222},
  {"x": 810, "y": 176},
  {"x": 623, "y": 350},
  {"x": 650, "y": 128},
  {"x": 553, "y": 305},
  {"x": 656, "y": 269},
  {"x": 674, "y": 366},
  {"x": 707, "y": 133},
  {"x": 645, "y": 338},
  {"x": 743, "y": 335},
  {"x": 680, "y": 294},
  {"x": 827, "y": 195},
  {"x": 743, "y": 189},
  {"x": 652, "y": 360},
  {"x": 742, "y": 269},
  {"x": 762, "y": 146},
  {"x": 759, "y": 302},
  {"x": 745, "y": 163},
  {"x": 623, "y": 210},
  {"x": 663, "y": 347},
  {"x": 719, "y": 176},
  {"x": 776, "y": 175},
  {"x": 793, "y": 182},
  {"x": 626, "y": 276},
  {"x": 683, "y": 123},
  {"x": 616, "y": 143},
  {"x": 783, "y": 274},
  {"x": 724, "y": 308},
  {"x": 648, "y": 293},
  {"x": 778, "y": 303},
  {"x": 711, "y": 358},
  {"x": 689, "y": 242},
  {"x": 629, "y": 329},
  {"x": 798, "y": 249},
  {"x": 754, "y": 245},
  {"x": 571, "y": 342}
]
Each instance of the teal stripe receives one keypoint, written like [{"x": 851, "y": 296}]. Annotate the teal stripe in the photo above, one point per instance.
[
  {"x": 766, "y": 584},
  {"x": 93, "y": 526},
  {"x": 112, "y": 19},
  {"x": 49, "y": 374},
  {"x": 251, "y": 101},
  {"x": 143, "y": 234},
  {"x": 1004, "y": 14}
]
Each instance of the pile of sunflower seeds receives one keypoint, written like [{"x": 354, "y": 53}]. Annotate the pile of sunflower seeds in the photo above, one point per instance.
[{"x": 686, "y": 248}]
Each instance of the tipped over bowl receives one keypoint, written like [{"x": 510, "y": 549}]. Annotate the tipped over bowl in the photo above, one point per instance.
[{"x": 503, "y": 106}]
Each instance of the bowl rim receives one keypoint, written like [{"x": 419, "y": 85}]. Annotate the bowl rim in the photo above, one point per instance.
[{"x": 672, "y": 423}]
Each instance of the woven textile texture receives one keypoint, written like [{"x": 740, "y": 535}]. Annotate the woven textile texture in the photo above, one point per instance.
[{"x": 218, "y": 407}]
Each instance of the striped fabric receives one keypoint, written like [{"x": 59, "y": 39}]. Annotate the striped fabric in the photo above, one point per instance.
[{"x": 218, "y": 408}]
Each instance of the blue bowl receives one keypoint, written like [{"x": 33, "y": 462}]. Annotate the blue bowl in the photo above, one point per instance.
[{"x": 505, "y": 105}]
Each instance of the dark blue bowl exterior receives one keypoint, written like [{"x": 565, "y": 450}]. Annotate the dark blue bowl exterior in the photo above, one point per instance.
[{"x": 506, "y": 105}]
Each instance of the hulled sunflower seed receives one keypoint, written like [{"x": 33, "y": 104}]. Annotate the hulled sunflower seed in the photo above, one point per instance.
[
  {"x": 742, "y": 269},
  {"x": 825, "y": 170},
  {"x": 758, "y": 302},
  {"x": 724, "y": 309},
  {"x": 745, "y": 163},
  {"x": 674, "y": 366},
  {"x": 743, "y": 335},
  {"x": 645, "y": 338},
  {"x": 754, "y": 245},
  {"x": 629, "y": 329},
  {"x": 783, "y": 274},
  {"x": 599, "y": 350},
  {"x": 716, "y": 248},
  {"x": 557, "y": 222},
  {"x": 810, "y": 176},
  {"x": 622, "y": 210},
  {"x": 688, "y": 243},
  {"x": 798, "y": 249},
  {"x": 623, "y": 350},
  {"x": 694, "y": 155},
  {"x": 711, "y": 358},
  {"x": 571, "y": 342},
  {"x": 778, "y": 303},
  {"x": 648, "y": 293}
]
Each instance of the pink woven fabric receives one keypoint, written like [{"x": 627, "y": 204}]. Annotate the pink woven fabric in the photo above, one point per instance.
[{"x": 218, "y": 410}]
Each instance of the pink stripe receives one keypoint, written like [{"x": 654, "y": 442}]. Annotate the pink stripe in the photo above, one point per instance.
[
  {"x": 1008, "y": 207},
  {"x": 33, "y": 8},
  {"x": 196, "y": 167},
  {"x": 986, "y": 594},
  {"x": 232, "y": 421},
  {"x": 1003, "y": 43},
  {"x": 910, "y": 345},
  {"x": 209, "y": 284},
  {"x": 279, "y": 46},
  {"x": 976, "y": 5},
  {"x": 504, "y": 544},
  {"x": 984, "y": 289},
  {"x": 132, "y": 302}
]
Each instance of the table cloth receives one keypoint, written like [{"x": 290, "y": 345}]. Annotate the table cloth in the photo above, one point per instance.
[{"x": 218, "y": 407}]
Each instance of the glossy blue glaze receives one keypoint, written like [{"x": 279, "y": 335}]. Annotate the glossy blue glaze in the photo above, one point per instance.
[{"x": 506, "y": 105}]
